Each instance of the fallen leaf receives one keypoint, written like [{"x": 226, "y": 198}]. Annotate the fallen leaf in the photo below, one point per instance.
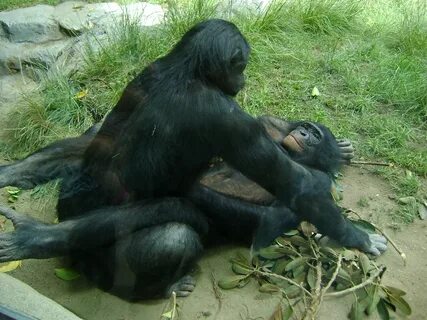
[
  {"x": 67, "y": 274},
  {"x": 230, "y": 282},
  {"x": 81, "y": 94},
  {"x": 9, "y": 266},
  {"x": 315, "y": 92}
]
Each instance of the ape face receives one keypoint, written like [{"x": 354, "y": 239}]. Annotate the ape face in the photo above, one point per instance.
[
  {"x": 308, "y": 143},
  {"x": 217, "y": 54},
  {"x": 304, "y": 138},
  {"x": 234, "y": 81}
]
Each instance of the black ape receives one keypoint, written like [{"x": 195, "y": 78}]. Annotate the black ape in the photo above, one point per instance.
[{"x": 143, "y": 163}]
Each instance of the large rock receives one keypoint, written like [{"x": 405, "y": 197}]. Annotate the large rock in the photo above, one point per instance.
[
  {"x": 146, "y": 13},
  {"x": 15, "y": 57},
  {"x": 73, "y": 17},
  {"x": 33, "y": 24},
  {"x": 76, "y": 17}
]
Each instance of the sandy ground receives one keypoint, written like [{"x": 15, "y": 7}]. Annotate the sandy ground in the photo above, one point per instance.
[{"x": 246, "y": 303}]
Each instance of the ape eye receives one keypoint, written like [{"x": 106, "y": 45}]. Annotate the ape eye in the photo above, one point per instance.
[
  {"x": 316, "y": 134},
  {"x": 313, "y": 130}
]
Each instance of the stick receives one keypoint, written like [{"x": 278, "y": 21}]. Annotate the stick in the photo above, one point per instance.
[
  {"x": 334, "y": 276},
  {"x": 372, "y": 163},
  {"x": 359, "y": 286},
  {"x": 394, "y": 245}
]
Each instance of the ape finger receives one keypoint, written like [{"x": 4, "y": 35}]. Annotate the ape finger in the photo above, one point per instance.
[
  {"x": 347, "y": 149},
  {"x": 378, "y": 244},
  {"x": 17, "y": 219},
  {"x": 10, "y": 214},
  {"x": 344, "y": 142}
]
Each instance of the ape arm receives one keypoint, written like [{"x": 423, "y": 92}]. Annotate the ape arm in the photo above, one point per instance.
[
  {"x": 34, "y": 239},
  {"x": 304, "y": 191}
]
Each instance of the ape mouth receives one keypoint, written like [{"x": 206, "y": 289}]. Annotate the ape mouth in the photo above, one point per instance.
[{"x": 292, "y": 143}]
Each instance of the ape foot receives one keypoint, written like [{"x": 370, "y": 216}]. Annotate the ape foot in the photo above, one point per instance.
[
  {"x": 378, "y": 244},
  {"x": 22, "y": 243},
  {"x": 183, "y": 287}
]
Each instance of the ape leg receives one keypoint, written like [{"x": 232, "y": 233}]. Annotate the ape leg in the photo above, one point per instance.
[
  {"x": 33, "y": 239},
  {"x": 243, "y": 221},
  {"x": 149, "y": 263},
  {"x": 58, "y": 160}
]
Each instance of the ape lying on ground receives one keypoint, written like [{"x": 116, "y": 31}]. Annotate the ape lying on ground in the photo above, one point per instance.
[{"x": 131, "y": 211}]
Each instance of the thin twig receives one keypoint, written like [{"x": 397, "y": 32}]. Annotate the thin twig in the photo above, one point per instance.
[
  {"x": 274, "y": 275},
  {"x": 334, "y": 276},
  {"x": 394, "y": 245},
  {"x": 359, "y": 286},
  {"x": 217, "y": 293},
  {"x": 313, "y": 310},
  {"x": 372, "y": 163}
]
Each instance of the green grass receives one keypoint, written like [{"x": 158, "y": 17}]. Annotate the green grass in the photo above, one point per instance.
[{"x": 367, "y": 58}]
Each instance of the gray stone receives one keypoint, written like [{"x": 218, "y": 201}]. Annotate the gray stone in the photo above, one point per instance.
[
  {"x": 33, "y": 24},
  {"x": 146, "y": 13},
  {"x": 106, "y": 15},
  {"x": 73, "y": 17},
  {"x": 72, "y": 57},
  {"x": 18, "y": 56},
  {"x": 235, "y": 6},
  {"x": 20, "y": 298}
]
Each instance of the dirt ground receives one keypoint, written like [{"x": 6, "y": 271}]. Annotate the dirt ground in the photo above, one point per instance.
[{"x": 246, "y": 303}]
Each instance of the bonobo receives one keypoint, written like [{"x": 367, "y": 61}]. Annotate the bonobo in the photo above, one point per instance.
[{"x": 131, "y": 214}]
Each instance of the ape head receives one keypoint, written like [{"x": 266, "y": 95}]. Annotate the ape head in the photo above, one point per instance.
[
  {"x": 216, "y": 53},
  {"x": 309, "y": 143}
]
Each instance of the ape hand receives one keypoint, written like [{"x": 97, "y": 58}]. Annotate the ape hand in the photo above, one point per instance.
[
  {"x": 378, "y": 244},
  {"x": 346, "y": 149},
  {"x": 25, "y": 241}
]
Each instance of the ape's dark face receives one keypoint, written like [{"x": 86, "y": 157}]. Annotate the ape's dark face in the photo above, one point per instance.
[
  {"x": 233, "y": 78},
  {"x": 308, "y": 143},
  {"x": 303, "y": 139},
  {"x": 218, "y": 54}
]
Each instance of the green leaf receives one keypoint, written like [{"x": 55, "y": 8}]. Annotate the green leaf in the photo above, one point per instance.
[
  {"x": 67, "y": 274},
  {"x": 356, "y": 312},
  {"x": 292, "y": 232},
  {"x": 374, "y": 297},
  {"x": 231, "y": 282},
  {"x": 315, "y": 92},
  {"x": 292, "y": 291},
  {"x": 328, "y": 252},
  {"x": 394, "y": 291},
  {"x": 240, "y": 268},
  {"x": 311, "y": 278},
  {"x": 299, "y": 241},
  {"x": 366, "y": 225},
  {"x": 382, "y": 310},
  {"x": 13, "y": 190},
  {"x": 271, "y": 252},
  {"x": 349, "y": 255},
  {"x": 364, "y": 262},
  {"x": 400, "y": 304},
  {"x": 287, "y": 313},
  {"x": 280, "y": 266},
  {"x": 344, "y": 275},
  {"x": 296, "y": 263},
  {"x": 269, "y": 288}
]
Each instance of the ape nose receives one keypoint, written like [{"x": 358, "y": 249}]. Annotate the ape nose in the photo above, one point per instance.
[{"x": 303, "y": 133}]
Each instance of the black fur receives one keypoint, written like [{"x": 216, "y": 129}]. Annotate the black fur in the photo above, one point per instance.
[{"x": 132, "y": 215}]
